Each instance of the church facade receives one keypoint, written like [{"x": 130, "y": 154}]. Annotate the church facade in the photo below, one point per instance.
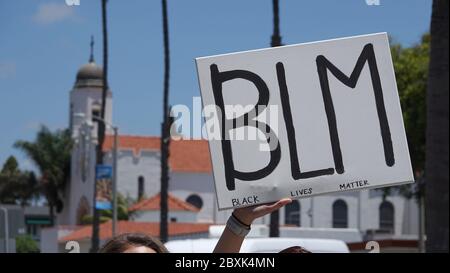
[{"x": 191, "y": 178}]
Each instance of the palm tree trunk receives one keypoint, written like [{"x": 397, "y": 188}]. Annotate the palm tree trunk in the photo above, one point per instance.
[
  {"x": 51, "y": 212},
  {"x": 274, "y": 230},
  {"x": 276, "y": 38},
  {"x": 436, "y": 165},
  {"x": 165, "y": 136},
  {"x": 95, "y": 243}
]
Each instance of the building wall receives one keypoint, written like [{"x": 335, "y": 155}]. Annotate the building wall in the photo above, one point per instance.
[
  {"x": 154, "y": 216},
  {"x": 83, "y": 100},
  {"x": 78, "y": 187},
  {"x": 182, "y": 185},
  {"x": 49, "y": 239},
  {"x": 363, "y": 211},
  {"x": 206, "y": 213},
  {"x": 131, "y": 166}
]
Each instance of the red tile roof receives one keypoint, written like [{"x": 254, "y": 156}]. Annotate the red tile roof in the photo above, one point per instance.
[
  {"x": 134, "y": 143},
  {"x": 175, "y": 229},
  {"x": 185, "y": 155},
  {"x": 153, "y": 203}
]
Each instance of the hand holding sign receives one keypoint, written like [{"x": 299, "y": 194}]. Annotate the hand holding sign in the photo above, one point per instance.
[
  {"x": 248, "y": 214},
  {"x": 229, "y": 242}
]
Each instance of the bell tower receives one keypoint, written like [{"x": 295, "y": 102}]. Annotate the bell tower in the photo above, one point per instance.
[
  {"x": 85, "y": 103},
  {"x": 86, "y": 97}
]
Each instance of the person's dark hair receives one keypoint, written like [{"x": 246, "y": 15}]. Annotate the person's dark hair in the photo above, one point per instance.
[
  {"x": 125, "y": 241},
  {"x": 295, "y": 249}
]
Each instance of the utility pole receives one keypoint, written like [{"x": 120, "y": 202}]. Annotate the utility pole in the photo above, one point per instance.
[
  {"x": 420, "y": 190},
  {"x": 114, "y": 186},
  {"x": 95, "y": 240},
  {"x": 275, "y": 41},
  {"x": 165, "y": 132},
  {"x": 5, "y": 213}
]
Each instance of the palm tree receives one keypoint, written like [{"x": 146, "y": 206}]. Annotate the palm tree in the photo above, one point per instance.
[
  {"x": 275, "y": 41},
  {"x": 436, "y": 165},
  {"x": 95, "y": 240},
  {"x": 165, "y": 127},
  {"x": 51, "y": 153}
]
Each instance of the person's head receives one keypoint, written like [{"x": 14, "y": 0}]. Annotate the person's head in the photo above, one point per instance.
[
  {"x": 133, "y": 243},
  {"x": 295, "y": 249}
]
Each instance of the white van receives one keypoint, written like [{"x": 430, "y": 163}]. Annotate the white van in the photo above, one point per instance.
[{"x": 260, "y": 245}]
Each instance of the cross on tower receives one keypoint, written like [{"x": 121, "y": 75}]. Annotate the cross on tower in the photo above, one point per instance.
[{"x": 91, "y": 58}]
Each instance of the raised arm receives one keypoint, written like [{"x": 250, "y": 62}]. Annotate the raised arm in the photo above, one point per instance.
[{"x": 242, "y": 218}]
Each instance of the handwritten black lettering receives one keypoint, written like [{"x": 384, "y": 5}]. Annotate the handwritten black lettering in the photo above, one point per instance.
[
  {"x": 287, "y": 115},
  {"x": 367, "y": 55},
  {"x": 217, "y": 79}
]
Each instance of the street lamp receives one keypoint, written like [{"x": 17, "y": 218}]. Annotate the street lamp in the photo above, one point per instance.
[
  {"x": 114, "y": 178},
  {"x": 5, "y": 211}
]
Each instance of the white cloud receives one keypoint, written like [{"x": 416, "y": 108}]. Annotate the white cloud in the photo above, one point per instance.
[
  {"x": 7, "y": 70},
  {"x": 32, "y": 126},
  {"x": 53, "y": 12}
]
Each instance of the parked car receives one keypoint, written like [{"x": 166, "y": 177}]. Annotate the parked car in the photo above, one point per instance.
[{"x": 260, "y": 245}]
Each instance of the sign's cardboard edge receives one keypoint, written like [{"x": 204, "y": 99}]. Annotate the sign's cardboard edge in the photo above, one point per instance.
[
  {"x": 328, "y": 193},
  {"x": 287, "y": 46}
]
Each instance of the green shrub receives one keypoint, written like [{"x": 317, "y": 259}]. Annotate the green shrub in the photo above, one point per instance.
[{"x": 26, "y": 244}]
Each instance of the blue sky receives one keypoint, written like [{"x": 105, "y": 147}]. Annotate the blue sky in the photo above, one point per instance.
[{"x": 43, "y": 43}]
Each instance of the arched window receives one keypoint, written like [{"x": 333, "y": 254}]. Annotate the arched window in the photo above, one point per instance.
[
  {"x": 292, "y": 213},
  {"x": 96, "y": 111},
  {"x": 387, "y": 216},
  {"x": 141, "y": 187},
  {"x": 195, "y": 200},
  {"x": 340, "y": 214}
]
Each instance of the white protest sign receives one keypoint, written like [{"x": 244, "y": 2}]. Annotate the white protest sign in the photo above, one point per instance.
[{"x": 326, "y": 116}]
